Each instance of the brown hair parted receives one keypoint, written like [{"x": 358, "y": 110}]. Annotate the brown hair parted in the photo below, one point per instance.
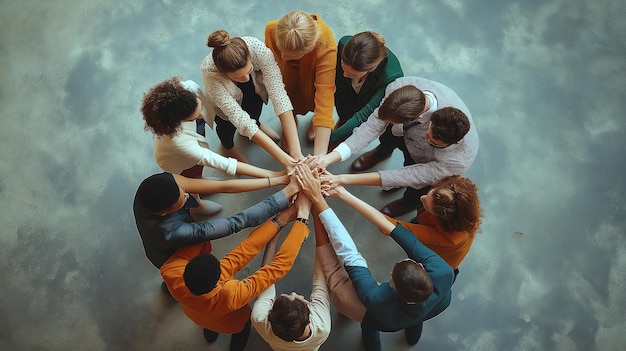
[
  {"x": 229, "y": 54},
  {"x": 297, "y": 31},
  {"x": 364, "y": 51},
  {"x": 166, "y": 105},
  {"x": 449, "y": 124},
  {"x": 456, "y": 203},
  {"x": 289, "y": 318},
  {"x": 411, "y": 281},
  {"x": 403, "y": 105}
]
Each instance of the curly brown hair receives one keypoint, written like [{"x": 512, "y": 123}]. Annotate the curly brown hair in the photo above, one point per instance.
[
  {"x": 166, "y": 105},
  {"x": 456, "y": 203}
]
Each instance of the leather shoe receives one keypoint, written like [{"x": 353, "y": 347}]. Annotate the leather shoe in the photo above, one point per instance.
[
  {"x": 368, "y": 160},
  {"x": 396, "y": 208}
]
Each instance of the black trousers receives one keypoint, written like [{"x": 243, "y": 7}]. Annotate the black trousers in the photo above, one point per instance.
[{"x": 252, "y": 103}]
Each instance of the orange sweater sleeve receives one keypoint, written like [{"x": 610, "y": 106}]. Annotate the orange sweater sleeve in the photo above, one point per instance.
[
  {"x": 247, "y": 249},
  {"x": 250, "y": 287},
  {"x": 325, "y": 68}
]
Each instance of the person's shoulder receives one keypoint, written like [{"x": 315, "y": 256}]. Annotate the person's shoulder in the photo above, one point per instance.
[{"x": 344, "y": 39}]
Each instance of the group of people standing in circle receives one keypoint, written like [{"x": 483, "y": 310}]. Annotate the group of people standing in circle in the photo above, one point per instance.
[{"x": 300, "y": 69}]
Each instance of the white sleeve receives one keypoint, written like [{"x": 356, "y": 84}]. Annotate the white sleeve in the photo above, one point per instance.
[{"x": 341, "y": 240}]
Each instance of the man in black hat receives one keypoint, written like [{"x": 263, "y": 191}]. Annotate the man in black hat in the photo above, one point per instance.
[{"x": 162, "y": 204}]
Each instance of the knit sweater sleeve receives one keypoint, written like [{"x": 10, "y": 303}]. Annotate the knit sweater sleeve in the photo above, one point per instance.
[
  {"x": 252, "y": 286},
  {"x": 325, "y": 65}
]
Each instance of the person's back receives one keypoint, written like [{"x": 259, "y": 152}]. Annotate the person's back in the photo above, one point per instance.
[{"x": 290, "y": 323}]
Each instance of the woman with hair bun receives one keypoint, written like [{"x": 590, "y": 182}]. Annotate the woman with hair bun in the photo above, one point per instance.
[
  {"x": 305, "y": 50},
  {"x": 364, "y": 68},
  {"x": 240, "y": 75}
]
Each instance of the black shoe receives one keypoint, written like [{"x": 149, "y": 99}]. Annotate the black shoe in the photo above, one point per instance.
[
  {"x": 165, "y": 290},
  {"x": 413, "y": 334},
  {"x": 210, "y": 336}
]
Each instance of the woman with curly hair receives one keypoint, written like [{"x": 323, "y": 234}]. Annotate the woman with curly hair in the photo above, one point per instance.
[
  {"x": 240, "y": 75},
  {"x": 449, "y": 219},
  {"x": 169, "y": 110},
  {"x": 306, "y": 53}
]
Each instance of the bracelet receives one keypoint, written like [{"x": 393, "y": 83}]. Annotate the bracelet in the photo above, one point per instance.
[
  {"x": 277, "y": 222},
  {"x": 270, "y": 182},
  {"x": 305, "y": 221}
]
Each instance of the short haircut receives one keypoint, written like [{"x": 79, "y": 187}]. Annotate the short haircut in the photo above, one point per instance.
[
  {"x": 229, "y": 54},
  {"x": 297, "y": 31},
  {"x": 166, "y": 105},
  {"x": 403, "y": 105},
  {"x": 202, "y": 274},
  {"x": 158, "y": 192},
  {"x": 449, "y": 124},
  {"x": 411, "y": 281},
  {"x": 289, "y": 318},
  {"x": 364, "y": 51}
]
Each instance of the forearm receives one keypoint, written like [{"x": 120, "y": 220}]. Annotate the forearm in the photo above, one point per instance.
[
  {"x": 270, "y": 146},
  {"x": 322, "y": 137},
  {"x": 368, "y": 211},
  {"x": 341, "y": 240},
  {"x": 371, "y": 178},
  {"x": 254, "y": 171},
  {"x": 290, "y": 133}
]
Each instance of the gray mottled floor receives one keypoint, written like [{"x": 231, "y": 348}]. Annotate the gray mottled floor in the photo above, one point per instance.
[{"x": 545, "y": 81}]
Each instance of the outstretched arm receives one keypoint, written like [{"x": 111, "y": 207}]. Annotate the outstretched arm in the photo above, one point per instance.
[
  {"x": 290, "y": 133},
  {"x": 208, "y": 186},
  {"x": 272, "y": 148},
  {"x": 366, "y": 210}
]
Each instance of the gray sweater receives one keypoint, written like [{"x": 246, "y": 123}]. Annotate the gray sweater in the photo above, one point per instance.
[{"x": 431, "y": 163}]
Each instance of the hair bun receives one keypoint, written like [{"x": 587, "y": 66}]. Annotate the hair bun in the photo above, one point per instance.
[{"x": 218, "y": 38}]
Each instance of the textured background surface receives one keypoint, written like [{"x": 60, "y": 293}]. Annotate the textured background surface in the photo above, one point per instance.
[{"x": 545, "y": 82}]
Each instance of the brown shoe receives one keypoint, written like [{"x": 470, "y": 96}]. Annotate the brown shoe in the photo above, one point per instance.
[
  {"x": 368, "y": 160},
  {"x": 396, "y": 209}
]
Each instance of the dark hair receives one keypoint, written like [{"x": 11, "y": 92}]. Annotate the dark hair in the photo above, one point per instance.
[
  {"x": 403, "y": 105},
  {"x": 411, "y": 281},
  {"x": 456, "y": 203},
  {"x": 202, "y": 274},
  {"x": 228, "y": 54},
  {"x": 289, "y": 318},
  {"x": 364, "y": 51},
  {"x": 449, "y": 124},
  {"x": 158, "y": 192},
  {"x": 166, "y": 105}
]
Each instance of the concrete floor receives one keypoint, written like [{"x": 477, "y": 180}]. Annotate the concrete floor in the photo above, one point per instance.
[{"x": 545, "y": 81}]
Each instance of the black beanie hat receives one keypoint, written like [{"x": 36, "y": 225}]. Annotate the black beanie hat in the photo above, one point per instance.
[
  {"x": 158, "y": 192},
  {"x": 202, "y": 274}
]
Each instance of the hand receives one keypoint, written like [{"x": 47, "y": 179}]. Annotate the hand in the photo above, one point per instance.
[
  {"x": 318, "y": 162},
  {"x": 308, "y": 180}
]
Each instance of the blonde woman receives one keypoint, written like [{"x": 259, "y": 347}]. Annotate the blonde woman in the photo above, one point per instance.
[
  {"x": 306, "y": 53},
  {"x": 240, "y": 75}
]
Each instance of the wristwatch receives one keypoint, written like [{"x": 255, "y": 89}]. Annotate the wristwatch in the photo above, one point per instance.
[{"x": 303, "y": 220}]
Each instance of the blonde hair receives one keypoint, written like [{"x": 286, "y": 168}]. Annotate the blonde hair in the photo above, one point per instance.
[
  {"x": 297, "y": 31},
  {"x": 228, "y": 54}
]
